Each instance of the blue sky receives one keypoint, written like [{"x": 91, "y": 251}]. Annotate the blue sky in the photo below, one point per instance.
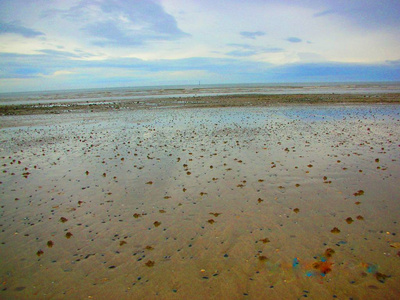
[{"x": 63, "y": 44}]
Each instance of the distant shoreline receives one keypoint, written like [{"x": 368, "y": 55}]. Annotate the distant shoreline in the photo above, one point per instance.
[{"x": 198, "y": 101}]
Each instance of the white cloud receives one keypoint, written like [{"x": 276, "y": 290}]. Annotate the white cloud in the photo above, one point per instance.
[
  {"x": 190, "y": 36},
  {"x": 62, "y": 72}
]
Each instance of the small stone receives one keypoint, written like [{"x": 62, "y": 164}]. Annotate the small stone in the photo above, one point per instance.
[
  {"x": 349, "y": 220},
  {"x": 335, "y": 230},
  {"x": 262, "y": 258},
  {"x": 150, "y": 263},
  {"x": 359, "y": 193}
]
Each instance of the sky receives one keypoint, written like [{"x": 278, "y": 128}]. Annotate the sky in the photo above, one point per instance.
[{"x": 69, "y": 44}]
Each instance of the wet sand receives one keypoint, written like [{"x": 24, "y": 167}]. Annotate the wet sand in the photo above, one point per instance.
[
  {"x": 281, "y": 200},
  {"x": 57, "y": 107}
]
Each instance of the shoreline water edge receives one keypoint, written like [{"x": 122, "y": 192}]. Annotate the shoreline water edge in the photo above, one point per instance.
[{"x": 232, "y": 100}]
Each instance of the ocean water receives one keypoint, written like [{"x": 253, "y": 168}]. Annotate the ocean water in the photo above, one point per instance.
[{"x": 107, "y": 95}]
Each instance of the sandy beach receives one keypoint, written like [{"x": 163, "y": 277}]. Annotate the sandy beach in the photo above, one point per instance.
[{"x": 230, "y": 197}]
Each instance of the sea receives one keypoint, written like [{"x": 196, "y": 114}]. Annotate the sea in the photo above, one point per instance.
[{"x": 107, "y": 95}]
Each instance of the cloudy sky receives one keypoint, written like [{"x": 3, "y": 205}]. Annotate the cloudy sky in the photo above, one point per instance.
[{"x": 63, "y": 44}]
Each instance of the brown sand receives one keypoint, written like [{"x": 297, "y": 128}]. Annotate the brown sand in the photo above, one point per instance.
[{"x": 202, "y": 203}]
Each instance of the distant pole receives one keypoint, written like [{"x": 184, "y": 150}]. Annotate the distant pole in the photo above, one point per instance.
[{"x": 199, "y": 82}]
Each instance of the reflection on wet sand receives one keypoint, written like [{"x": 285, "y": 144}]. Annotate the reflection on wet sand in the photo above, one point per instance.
[{"x": 258, "y": 202}]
